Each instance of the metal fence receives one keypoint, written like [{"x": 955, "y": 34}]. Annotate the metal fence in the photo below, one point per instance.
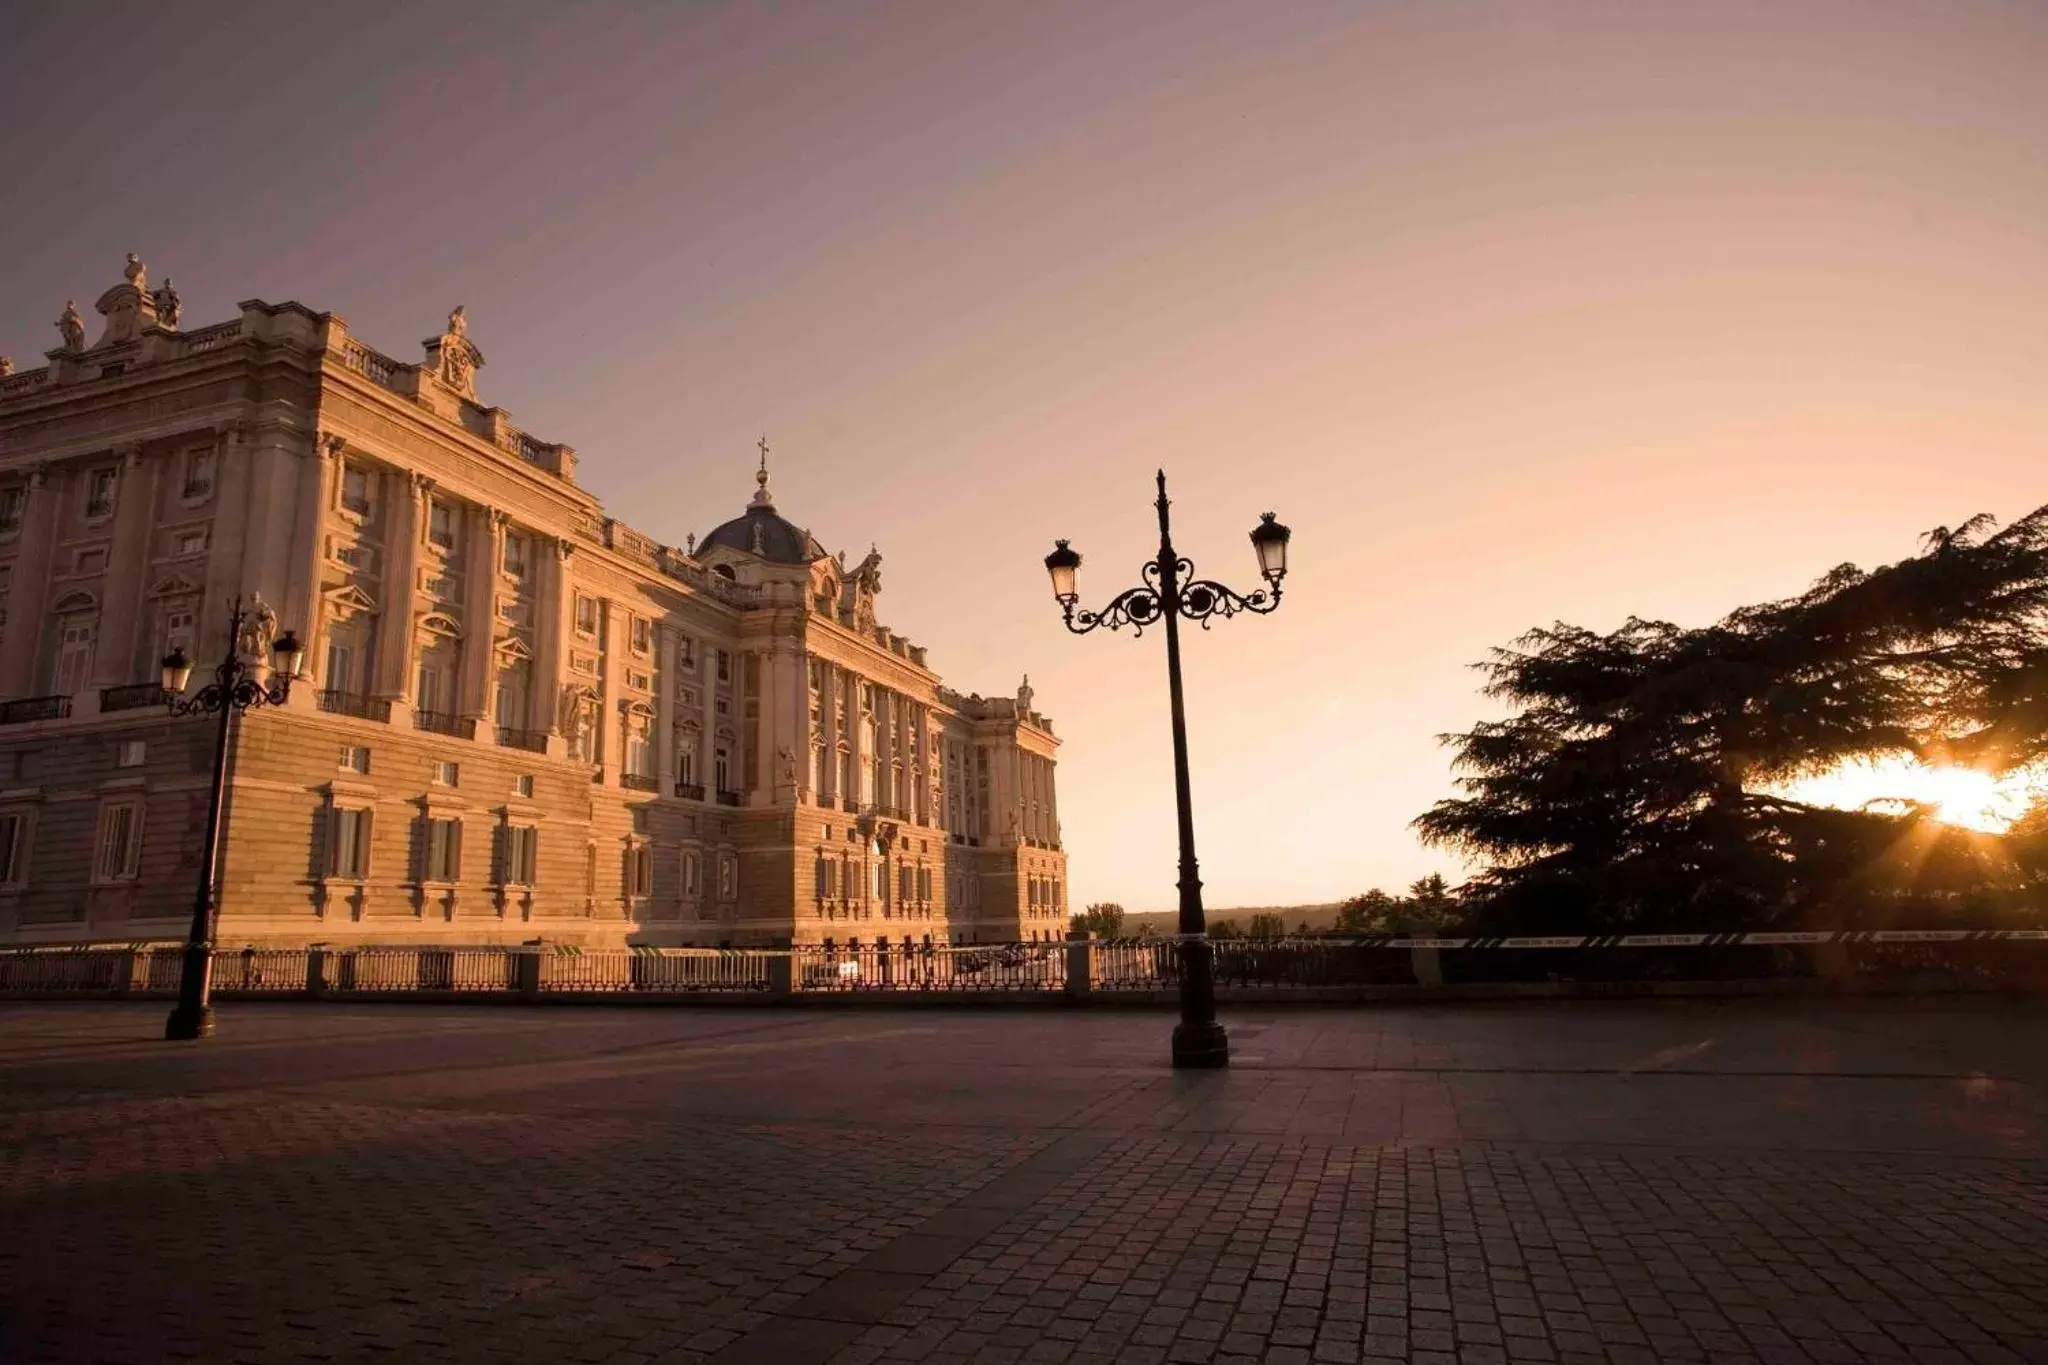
[{"x": 1327, "y": 967}]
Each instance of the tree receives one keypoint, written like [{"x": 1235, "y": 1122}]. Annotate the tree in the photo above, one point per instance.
[
  {"x": 1268, "y": 926},
  {"x": 1104, "y": 919},
  {"x": 1375, "y": 912},
  {"x": 1638, "y": 782},
  {"x": 1225, "y": 928},
  {"x": 1430, "y": 900}
]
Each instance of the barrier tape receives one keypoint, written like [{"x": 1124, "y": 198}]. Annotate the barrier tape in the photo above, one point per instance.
[{"x": 1771, "y": 940}]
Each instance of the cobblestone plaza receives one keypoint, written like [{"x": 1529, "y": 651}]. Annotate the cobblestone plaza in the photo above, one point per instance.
[{"x": 1751, "y": 1180}]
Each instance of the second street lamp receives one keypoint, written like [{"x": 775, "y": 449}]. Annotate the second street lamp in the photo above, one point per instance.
[
  {"x": 1171, "y": 591},
  {"x": 234, "y": 689}
]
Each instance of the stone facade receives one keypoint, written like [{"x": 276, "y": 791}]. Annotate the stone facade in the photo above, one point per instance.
[{"x": 519, "y": 718}]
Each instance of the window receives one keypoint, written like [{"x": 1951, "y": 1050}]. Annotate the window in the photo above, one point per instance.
[
  {"x": 686, "y": 759},
  {"x": 639, "y": 872},
  {"x": 441, "y": 524},
  {"x": 924, "y": 883},
  {"x": 724, "y": 666},
  {"x": 882, "y": 881},
  {"x": 444, "y": 851},
  {"x": 522, "y": 785},
  {"x": 823, "y": 876},
  {"x": 11, "y": 500},
  {"x": 99, "y": 493},
  {"x": 119, "y": 842},
  {"x": 198, "y": 474},
  {"x": 642, "y": 635},
  {"x": 341, "y": 666},
  {"x": 728, "y": 877},
  {"x": 447, "y": 774},
  {"x": 515, "y": 554},
  {"x": 355, "y": 758},
  {"x": 639, "y": 749},
  {"x": 693, "y": 875},
  {"x": 586, "y": 615},
  {"x": 91, "y": 561},
  {"x": 521, "y": 842},
  {"x": 194, "y": 543},
  {"x": 433, "y": 689},
  {"x": 643, "y": 819},
  {"x": 348, "y": 853},
  {"x": 442, "y": 586},
  {"x": 176, "y": 629},
  {"x": 904, "y": 885},
  {"x": 13, "y": 848},
  {"x": 721, "y": 769},
  {"x": 355, "y": 490},
  {"x": 686, "y": 648},
  {"x": 76, "y": 635},
  {"x": 131, "y": 753}
]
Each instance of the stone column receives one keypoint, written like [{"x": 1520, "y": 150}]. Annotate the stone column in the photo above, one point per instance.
[
  {"x": 121, "y": 590},
  {"x": 856, "y": 721},
  {"x": 665, "y": 673},
  {"x": 611, "y": 723},
  {"x": 1052, "y": 801},
  {"x": 407, "y": 510},
  {"x": 758, "y": 670},
  {"x": 828, "y": 731},
  {"x": 707, "y": 742},
  {"x": 29, "y": 588},
  {"x": 302, "y": 606},
  {"x": 482, "y": 552}
]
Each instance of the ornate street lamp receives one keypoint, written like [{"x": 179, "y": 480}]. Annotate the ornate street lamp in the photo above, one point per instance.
[
  {"x": 234, "y": 689},
  {"x": 1172, "y": 591}
]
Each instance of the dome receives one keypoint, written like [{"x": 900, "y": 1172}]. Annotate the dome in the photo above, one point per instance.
[{"x": 759, "y": 531}]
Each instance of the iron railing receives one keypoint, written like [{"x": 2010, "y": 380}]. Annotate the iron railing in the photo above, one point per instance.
[
  {"x": 444, "y": 723},
  {"x": 355, "y": 704},
  {"x": 640, "y": 782},
  {"x": 690, "y": 791},
  {"x": 132, "y": 697},
  {"x": 728, "y": 798},
  {"x": 24, "y": 709},
  {"x": 1245, "y": 969},
  {"x": 533, "y": 741}
]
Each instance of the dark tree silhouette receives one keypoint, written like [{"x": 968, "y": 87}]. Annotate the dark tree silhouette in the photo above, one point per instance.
[{"x": 1632, "y": 787}]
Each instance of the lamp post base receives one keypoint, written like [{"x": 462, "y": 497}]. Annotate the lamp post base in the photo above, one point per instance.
[
  {"x": 1200, "y": 1045},
  {"x": 185, "y": 1024}
]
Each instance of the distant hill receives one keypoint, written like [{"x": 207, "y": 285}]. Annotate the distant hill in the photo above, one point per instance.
[{"x": 1164, "y": 921}]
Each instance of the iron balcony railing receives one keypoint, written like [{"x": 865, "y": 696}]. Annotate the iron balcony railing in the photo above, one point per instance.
[
  {"x": 355, "y": 704},
  {"x": 533, "y": 741},
  {"x": 24, "y": 709},
  {"x": 132, "y": 697},
  {"x": 640, "y": 782},
  {"x": 728, "y": 798},
  {"x": 444, "y": 723},
  {"x": 690, "y": 791}
]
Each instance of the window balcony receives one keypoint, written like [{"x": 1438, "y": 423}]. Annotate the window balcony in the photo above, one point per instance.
[
  {"x": 132, "y": 697},
  {"x": 533, "y": 741},
  {"x": 24, "y": 709},
  {"x": 849, "y": 805},
  {"x": 355, "y": 704},
  {"x": 827, "y": 800},
  {"x": 444, "y": 723},
  {"x": 690, "y": 791},
  {"x": 640, "y": 782},
  {"x": 728, "y": 798}
]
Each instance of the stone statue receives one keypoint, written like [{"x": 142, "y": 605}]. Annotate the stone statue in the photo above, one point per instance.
[
  {"x": 167, "y": 304},
  {"x": 136, "y": 273},
  {"x": 569, "y": 712},
  {"x": 259, "y": 627},
  {"x": 72, "y": 326},
  {"x": 1024, "y": 695},
  {"x": 690, "y": 544},
  {"x": 6, "y": 366},
  {"x": 458, "y": 321},
  {"x": 869, "y": 573},
  {"x": 788, "y": 765}
]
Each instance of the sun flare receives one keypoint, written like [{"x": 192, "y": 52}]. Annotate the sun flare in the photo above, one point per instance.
[{"x": 1960, "y": 796}]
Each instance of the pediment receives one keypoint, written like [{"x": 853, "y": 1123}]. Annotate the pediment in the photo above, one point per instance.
[
  {"x": 346, "y": 599},
  {"x": 176, "y": 585},
  {"x": 512, "y": 647},
  {"x": 440, "y": 623}
]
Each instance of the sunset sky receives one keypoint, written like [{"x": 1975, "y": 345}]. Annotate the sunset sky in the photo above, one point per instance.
[{"x": 1514, "y": 312}]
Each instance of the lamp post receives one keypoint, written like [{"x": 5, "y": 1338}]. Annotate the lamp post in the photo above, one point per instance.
[
  {"x": 1170, "y": 592},
  {"x": 233, "y": 690}
]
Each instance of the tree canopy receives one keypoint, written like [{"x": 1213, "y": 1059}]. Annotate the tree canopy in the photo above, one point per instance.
[
  {"x": 1638, "y": 781},
  {"x": 1103, "y": 919}
]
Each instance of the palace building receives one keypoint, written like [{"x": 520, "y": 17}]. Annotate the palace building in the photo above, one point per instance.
[{"x": 519, "y": 719}]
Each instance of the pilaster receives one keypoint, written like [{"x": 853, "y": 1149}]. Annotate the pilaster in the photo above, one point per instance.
[
  {"x": 29, "y": 589},
  {"x": 483, "y": 550},
  {"x": 395, "y": 633},
  {"x": 302, "y": 607},
  {"x": 127, "y": 560},
  {"x": 666, "y": 673},
  {"x": 554, "y": 627}
]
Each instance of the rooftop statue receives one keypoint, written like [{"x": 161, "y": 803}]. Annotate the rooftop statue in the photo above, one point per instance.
[{"x": 72, "y": 326}]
